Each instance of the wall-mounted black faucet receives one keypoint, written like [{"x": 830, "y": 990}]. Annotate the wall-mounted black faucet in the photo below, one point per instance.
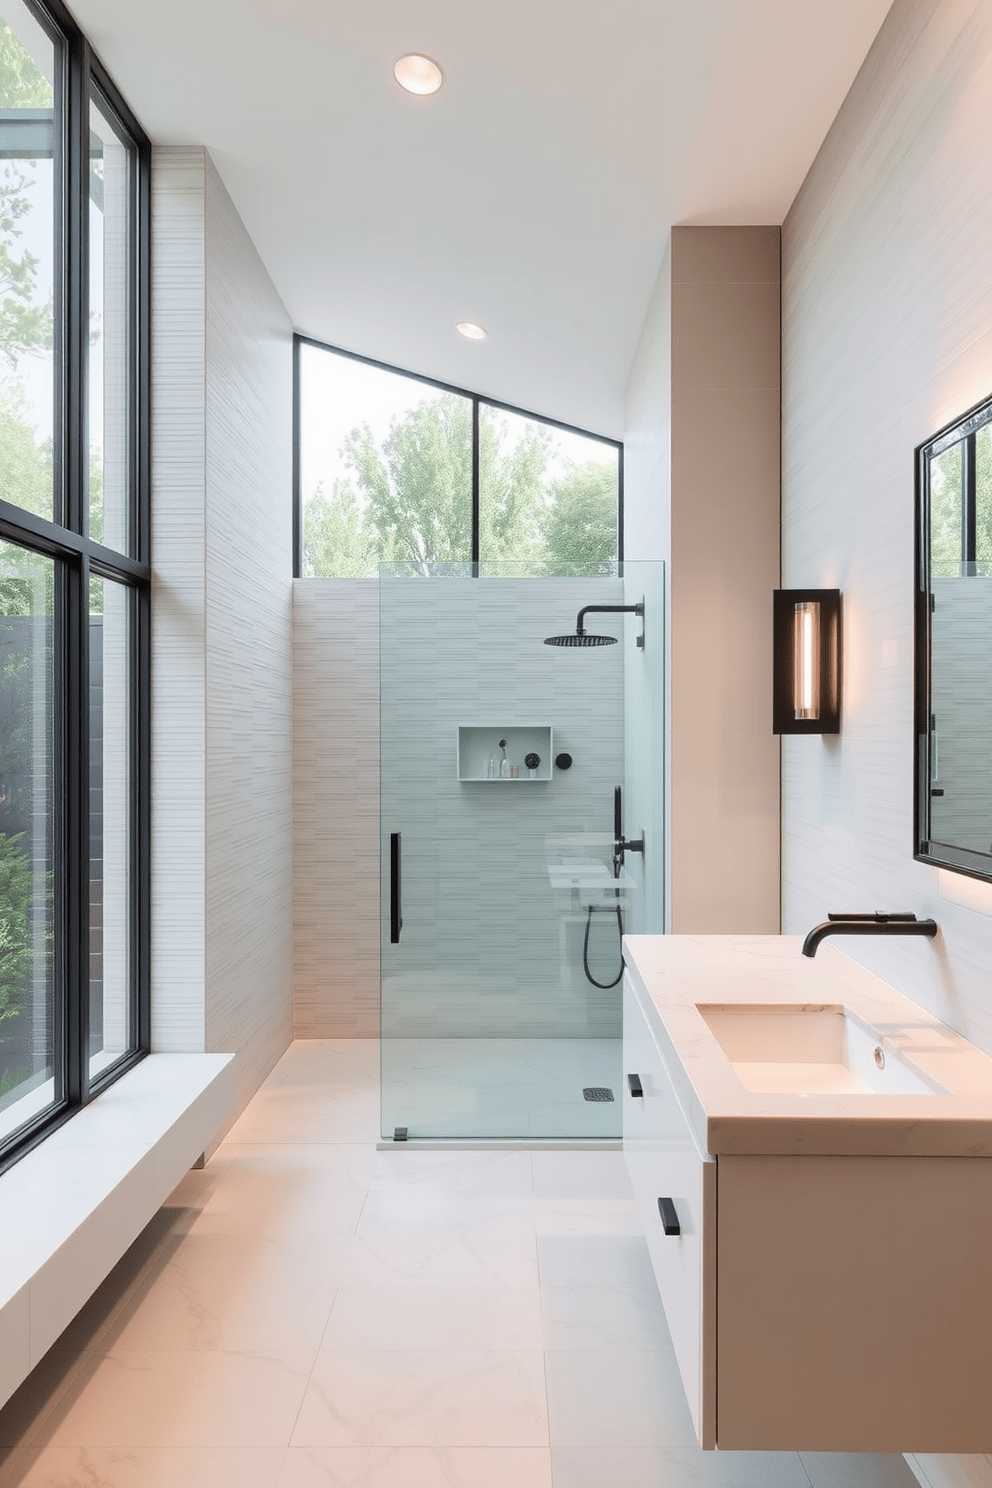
[
  {"x": 878, "y": 923},
  {"x": 621, "y": 846}
]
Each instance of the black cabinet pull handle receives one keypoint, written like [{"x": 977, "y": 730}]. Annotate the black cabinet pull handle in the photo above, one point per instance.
[
  {"x": 636, "y": 1088},
  {"x": 395, "y": 890},
  {"x": 669, "y": 1218}
]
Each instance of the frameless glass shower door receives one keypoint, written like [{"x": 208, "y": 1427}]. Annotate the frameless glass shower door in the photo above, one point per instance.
[{"x": 502, "y": 905}]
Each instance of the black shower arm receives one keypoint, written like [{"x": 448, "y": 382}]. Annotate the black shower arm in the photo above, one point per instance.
[{"x": 635, "y": 609}]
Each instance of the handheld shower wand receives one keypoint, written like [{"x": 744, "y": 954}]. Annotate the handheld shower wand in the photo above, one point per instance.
[{"x": 620, "y": 847}]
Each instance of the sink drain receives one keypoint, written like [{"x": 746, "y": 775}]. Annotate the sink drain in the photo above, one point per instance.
[{"x": 597, "y": 1093}]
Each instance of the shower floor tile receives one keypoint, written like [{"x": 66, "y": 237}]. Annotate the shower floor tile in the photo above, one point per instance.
[{"x": 500, "y": 1088}]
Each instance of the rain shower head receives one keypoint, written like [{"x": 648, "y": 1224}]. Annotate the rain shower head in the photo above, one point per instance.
[{"x": 582, "y": 638}]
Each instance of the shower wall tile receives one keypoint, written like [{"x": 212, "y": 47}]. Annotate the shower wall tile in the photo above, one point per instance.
[
  {"x": 486, "y": 948},
  {"x": 336, "y": 807}
]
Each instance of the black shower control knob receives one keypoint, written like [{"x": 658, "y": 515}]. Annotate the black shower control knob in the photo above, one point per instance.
[
  {"x": 563, "y": 761},
  {"x": 532, "y": 761}
]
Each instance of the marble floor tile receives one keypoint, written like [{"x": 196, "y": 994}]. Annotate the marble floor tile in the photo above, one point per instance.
[
  {"x": 179, "y": 1399},
  {"x": 581, "y": 1175},
  {"x": 414, "y": 1206},
  {"x": 279, "y": 1191},
  {"x": 620, "y": 1262},
  {"x": 416, "y": 1467},
  {"x": 346, "y": 1062},
  {"x": 29, "y": 1407},
  {"x": 235, "y": 1292},
  {"x": 857, "y": 1470},
  {"x": 313, "y": 1114},
  {"x": 591, "y": 1214},
  {"x": 435, "y": 1317},
  {"x": 668, "y": 1467},
  {"x": 617, "y": 1398},
  {"x": 584, "y": 1317},
  {"x": 473, "y": 1255},
  {"x": 468, "y": 1172},
  {"x": 419, "y": 1398},
  {"x": 142, "y": 1467}
]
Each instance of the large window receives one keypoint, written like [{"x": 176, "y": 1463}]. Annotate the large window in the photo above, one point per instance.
[
  {"x": 73, "y": 576},
  {"x": 396, "y": 469}
]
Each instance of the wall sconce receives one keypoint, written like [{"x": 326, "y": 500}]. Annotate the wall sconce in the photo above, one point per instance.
[{"x": 806, "y": 651}]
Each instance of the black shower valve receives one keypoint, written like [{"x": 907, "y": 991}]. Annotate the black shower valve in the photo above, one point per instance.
[{"x": 563, "y": 761}]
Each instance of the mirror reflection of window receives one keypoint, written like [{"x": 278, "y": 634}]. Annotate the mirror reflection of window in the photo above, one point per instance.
[
  {"x": 946, "y": 512},
  {"x": 957, "y": 773}
]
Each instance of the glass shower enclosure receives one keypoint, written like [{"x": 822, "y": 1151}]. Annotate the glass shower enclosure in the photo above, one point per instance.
[{"x": 502, "y": 896}]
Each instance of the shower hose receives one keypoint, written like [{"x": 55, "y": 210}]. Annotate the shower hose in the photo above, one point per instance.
[{"x": 604, "y": 986}]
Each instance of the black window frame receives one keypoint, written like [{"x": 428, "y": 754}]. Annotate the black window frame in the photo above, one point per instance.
[
  {"x": 478, "y": 400},
  {"x": 66, "y": 539}
]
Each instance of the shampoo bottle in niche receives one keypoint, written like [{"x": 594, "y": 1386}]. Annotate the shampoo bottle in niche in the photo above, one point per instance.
[{"x": 491, "y": 769}]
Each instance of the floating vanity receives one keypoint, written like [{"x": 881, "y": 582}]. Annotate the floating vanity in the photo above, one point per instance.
[{"x": 811, "y": 1155}]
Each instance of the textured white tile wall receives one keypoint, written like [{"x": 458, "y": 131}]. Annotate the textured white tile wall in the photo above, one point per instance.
[
  {"x": 336, "y": 812},
  {"x": 249, "y": 670},
  {"x": 222, "y": 783},
  {"x": 179, "y": 602},
  {"x": 887, "y": 334}
]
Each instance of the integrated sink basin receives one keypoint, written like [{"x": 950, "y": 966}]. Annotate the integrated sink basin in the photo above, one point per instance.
[{"x": 810, "y": 1049}]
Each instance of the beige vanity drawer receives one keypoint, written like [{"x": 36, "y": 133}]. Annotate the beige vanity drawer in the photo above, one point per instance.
[{"x": 664, "y": 1161}]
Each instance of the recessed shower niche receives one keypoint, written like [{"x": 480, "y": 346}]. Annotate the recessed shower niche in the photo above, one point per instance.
[
  {"x": 500, "y": 942},
  {"x": 482, "y": 750}
]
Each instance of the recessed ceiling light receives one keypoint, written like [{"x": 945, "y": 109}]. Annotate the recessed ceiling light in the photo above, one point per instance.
[
  {"x": 418, "y": 74},
  {"x": 472, "y": 331}
]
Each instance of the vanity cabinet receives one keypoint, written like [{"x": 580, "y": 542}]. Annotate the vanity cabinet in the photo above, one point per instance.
[{"x": 816, "y": 1301}]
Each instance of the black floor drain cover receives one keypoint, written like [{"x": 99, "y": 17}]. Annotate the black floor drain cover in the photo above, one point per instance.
[{"x": 597, "y": 1093}]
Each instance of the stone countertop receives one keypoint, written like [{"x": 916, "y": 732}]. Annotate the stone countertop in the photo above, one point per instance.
[{"x": 672, "y": 973}]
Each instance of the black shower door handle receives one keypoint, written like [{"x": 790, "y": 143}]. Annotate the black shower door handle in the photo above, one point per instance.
[{"x": 395, "y": 889}]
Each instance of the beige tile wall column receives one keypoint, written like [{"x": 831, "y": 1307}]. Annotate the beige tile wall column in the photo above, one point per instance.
[{"x": 725, "y": 521}]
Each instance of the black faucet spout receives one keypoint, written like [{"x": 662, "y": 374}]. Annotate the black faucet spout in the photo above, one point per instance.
[{"x": 878, "y": 923}]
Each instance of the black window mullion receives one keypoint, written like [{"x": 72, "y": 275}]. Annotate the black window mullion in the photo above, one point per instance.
[
  {"x": 75, "y": 424},
  {"x": 969, "y": 506},
  {"x": 620, "y": 506},
  {"x": 72, "y": 663},
  {"x": 141, "y": 830},
  {"x": 476, "y": 541}
]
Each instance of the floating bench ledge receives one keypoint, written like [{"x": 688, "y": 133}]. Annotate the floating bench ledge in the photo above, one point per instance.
[{"x": 71, "y": 1208}]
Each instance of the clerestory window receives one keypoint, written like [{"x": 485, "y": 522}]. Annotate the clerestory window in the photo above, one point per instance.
[{"x": 395, "y": 469}]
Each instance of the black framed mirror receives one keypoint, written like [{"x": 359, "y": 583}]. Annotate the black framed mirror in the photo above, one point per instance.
[{"x": 953, "y": 713}]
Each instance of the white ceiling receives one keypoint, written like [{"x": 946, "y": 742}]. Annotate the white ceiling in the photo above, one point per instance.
[{"x": 532, "y": 194}]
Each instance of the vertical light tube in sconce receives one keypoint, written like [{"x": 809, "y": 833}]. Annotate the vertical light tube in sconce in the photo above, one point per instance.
[{"x": 806, "y": 661}]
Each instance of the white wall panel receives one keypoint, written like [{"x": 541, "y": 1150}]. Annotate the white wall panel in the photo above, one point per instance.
[
  {"x": 887, "y": 334},
  {"x": 702, "y": 491}
]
